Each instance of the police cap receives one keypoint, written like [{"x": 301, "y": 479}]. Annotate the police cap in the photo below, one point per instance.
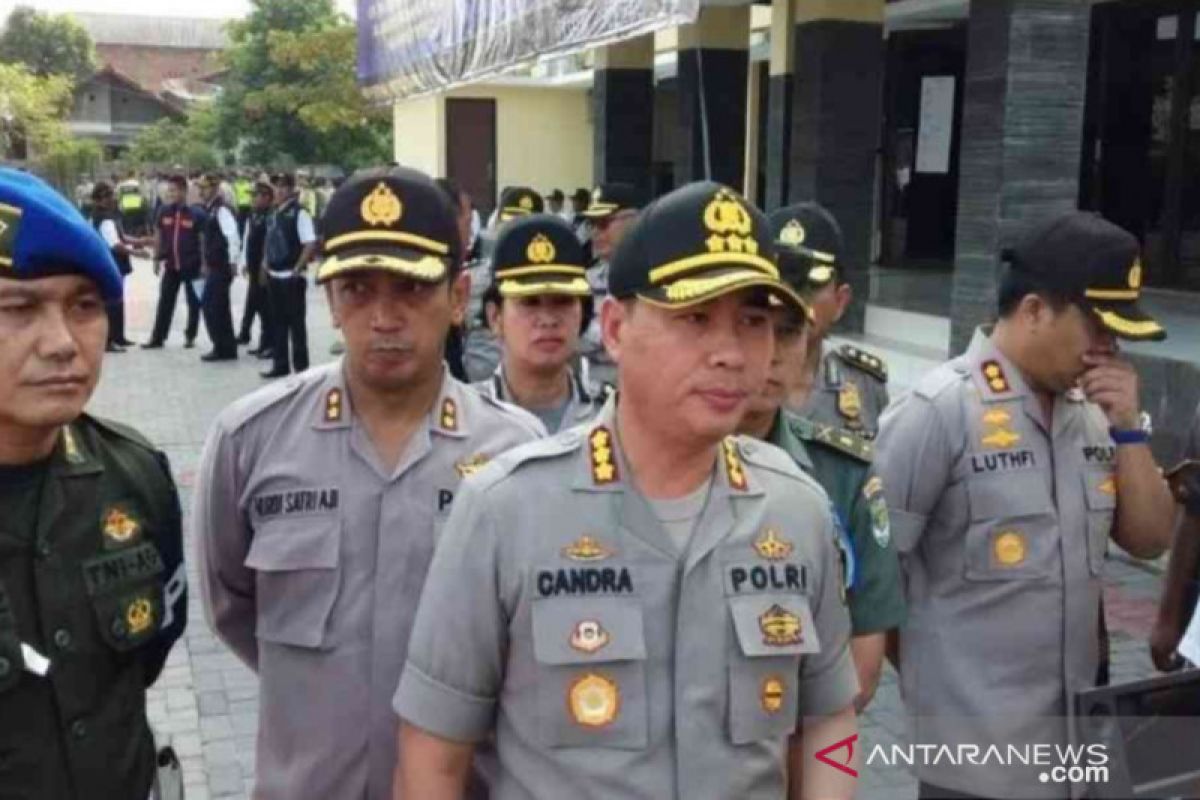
[
  {"x": 539, "y": 254},
  {"x": 393, "y": 219},
  {"x": 697, "y": 243},
  {"x": 42, "y": 235},
  {"x": 518, "y": 201},
  {"x": 609, "y": 198},
  {"x": 1085, "y": 257},
  {"x": 809, "y": 243}
]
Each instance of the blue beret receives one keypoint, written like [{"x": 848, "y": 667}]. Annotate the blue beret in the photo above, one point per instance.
[{"x": 41, "y": 234}]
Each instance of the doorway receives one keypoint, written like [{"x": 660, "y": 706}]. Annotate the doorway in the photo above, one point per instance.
[{"x": 471, "y": 149}]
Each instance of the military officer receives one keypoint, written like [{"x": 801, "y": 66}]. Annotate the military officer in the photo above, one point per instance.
[
  {"x": 841, "y": 463},
  {"x": 92, "y": 586},
  {"x": 645, "y": 606},
  {"x": 537, "y": 305},
  {"x": 845, "y": 387},
  {"x": 1006, "y": 471},
  {"x": 319, "y": 498}
]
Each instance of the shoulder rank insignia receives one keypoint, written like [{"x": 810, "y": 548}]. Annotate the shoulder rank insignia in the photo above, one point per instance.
[
  {"x": 604, "y": 469},
  {"x": 993, "y": 374},
  {"x": 771, "y": 546},
  {"x": 469, "y": 466},
  {"x": 333, "y": 405},
  {"x": 733, "y": 465},
  {"x": 864, "y": 361},
  {"x": 845, "y": 441},
  {"x": 849, "y": 403},
  {"x": 119, "y": 527},
  {"x": 586, "y": 548},
  {"x": 449, "y": 415},
  {"x": 594, "y": 701},
  {"x": 780, "y": 627}
]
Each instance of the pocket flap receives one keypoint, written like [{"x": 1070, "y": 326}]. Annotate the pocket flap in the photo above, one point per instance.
[
  {"x": 1012, "y": 494},
  {"x": 285, "y": 545},
  {"x": 583, "y": 630},
  {"x": 1100, "y": 487},
  {"x": 774, "y": 625}
]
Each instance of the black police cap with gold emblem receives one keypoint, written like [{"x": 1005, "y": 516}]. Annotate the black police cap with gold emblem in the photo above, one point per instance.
[
  {"x": 393, "y": 219},
  {"x": 1085, "y": 257},
  {"x": 539, "y": 254},
  {"x": 519, "y": 201},
  {"x": 697, "y": 243},
  {"x": 809, "y": 243},
  {"x": 609, "y": 198}
]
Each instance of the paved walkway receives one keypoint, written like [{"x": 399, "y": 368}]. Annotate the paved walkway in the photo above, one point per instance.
[{"x": 205, "y": 704}]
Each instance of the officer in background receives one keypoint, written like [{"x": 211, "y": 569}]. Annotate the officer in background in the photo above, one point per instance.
[
  {"x": 645, "y": 606},
  {"x": 482, "y": 352},
  {"x": 177, "y": 257},
  {"x": 243, "y": 200},
  {"x": 132, "y": 204},
  {"x": 1182, "y": 584},
  {"x": 291, "y": 244},
  {"x": 92, "y": 584},
  {"x": 252, "y": 260},
  {"x": 845, "y": 387},
  {"x": 841, "y": 463},
  {"x": 1007, "y": 470},
  {"x": 320, "y": 497},
  {"x": 107, "y": 223},
  {"x": 537, "y": 304},
  {"x": 221, "y": 248}
]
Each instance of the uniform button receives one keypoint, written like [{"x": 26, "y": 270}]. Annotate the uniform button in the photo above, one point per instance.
[
  {"x": 118, "y": 628},
  {"x": 43, "y": 549},
  {"x": 62, "y": 639},
  {"x": 79, "y": 729},
  {"x": 5, "y": 667}
]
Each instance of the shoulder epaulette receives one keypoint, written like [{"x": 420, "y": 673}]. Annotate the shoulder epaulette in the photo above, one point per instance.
[
  {"x": 512, "y": 411},
  {"x": 801, "y": 428},
  {"x": 122, "y": 431},
  {"x": 547, "y": 447},
  {"x": 939, "y": 380},
  {"x": 250, "y": 406},
  {"x": 845, "y": 441},
  {"x": 865, "y": 361}
]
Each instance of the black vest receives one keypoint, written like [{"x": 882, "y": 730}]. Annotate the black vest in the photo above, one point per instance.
[
  {"x": 122, "y": 258},
  {"x": 256, "y": 240},
  {"x": 283, "y": 237},
  {"x": 216, "y": 246},
  {"x": 179, "y": 239}
]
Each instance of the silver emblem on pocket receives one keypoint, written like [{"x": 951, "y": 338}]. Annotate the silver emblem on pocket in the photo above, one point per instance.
[{"x": 589, "y": 636}]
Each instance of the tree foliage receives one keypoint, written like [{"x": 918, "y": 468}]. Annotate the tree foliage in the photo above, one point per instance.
[
  {"x": 48, "y": 44},
  {"x": 32, "y": 110},
  {"x": 188, "y": 144}
]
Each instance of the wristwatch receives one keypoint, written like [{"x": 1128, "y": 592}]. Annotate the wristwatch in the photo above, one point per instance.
[{"x": 1139, "y": 435}]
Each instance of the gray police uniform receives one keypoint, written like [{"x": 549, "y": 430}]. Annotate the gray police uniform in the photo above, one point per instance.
[
  {"x": 312, "y": 560},
  {"x": 1001, "y": 524},
  {"x": 560, "y": 617},
  {"x": 582, "y": 404},
  {"x": 601, "y": 369},
  {"x": 481, "y": 351},
  {"x": 850, "y": 391}
]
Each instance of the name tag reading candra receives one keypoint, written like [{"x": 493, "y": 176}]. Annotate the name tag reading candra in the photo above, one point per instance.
[
  {"x": 298, "y": 501},
  {"x": 584, "y": 580},
  {"x": 767, "y": 577}
]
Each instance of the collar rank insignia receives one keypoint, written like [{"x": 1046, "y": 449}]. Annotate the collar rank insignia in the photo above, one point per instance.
[
  {"x": 469, "y": 466},
  {"x": 381, "y": 206},
  {"x": 993, "y": 373},
  {"x": 1108, "y": 485},
  {"x": 139, "y": 616},
  {"x": 771, "y": 546},
  {"x": 1075, "y": 395},
  {"x": 733, "y": 465},
  {"x": 589, "y": 636},
  {"x": 333, "y": 405},
  {"x": 604, "y": 470},
  {"x": 849, "y": 403},
  {"x": 449, "y": 415},
  {"x": 119, "y": 527},
  {"x": 771, "y": 696},
  {"x": 71, "y": 447},
  {"x": 586, "y": 548},
  {"x": 780, "y": 627}
]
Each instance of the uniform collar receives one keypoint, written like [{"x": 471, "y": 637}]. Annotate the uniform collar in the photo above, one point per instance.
[
  {"x": 501, "y": 390},
  {"x": 783, "y": 437},
  {"x": 448, "y": 416},
  {"x": 334, "y": 411},
  {"x": 995, "y": 377}
]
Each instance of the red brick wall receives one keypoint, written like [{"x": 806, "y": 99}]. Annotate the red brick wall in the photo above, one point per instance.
[{"x": 150, "y": 66}]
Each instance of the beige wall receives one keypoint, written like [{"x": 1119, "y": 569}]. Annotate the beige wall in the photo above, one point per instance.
[{"x": 543, "y": 135}]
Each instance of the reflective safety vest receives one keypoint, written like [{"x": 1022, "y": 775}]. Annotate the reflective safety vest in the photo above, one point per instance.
[
  {"x": 243, "y": 190},
  {"x": 131, "y": 200}
]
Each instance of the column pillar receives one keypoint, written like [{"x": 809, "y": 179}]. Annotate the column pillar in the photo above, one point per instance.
[
  {"x": 712, "y": 68},
  {"x": 779, "y": 104},
  {"x": 1022, "y": 130},
  {"x": 623, "y": 112},
  {"x": 838, "y": 56}
]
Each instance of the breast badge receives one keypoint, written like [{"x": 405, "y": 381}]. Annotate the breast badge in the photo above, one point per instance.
[
  {"x": 589, "y": 636},
  {"x": 995, "y": 434},
  {"x": 469, "y": 466},
  {"x": 586, "y": 548},
  {"x": 139, "y": 616},
  {"x": 119, "y": 527},
  {"x": 849, "y": 404},
  {"x": 771, "y": 546},
  {"x": 594, "y": 701},
  {"x": 1008, "y": 548},
  {"x": 780, "y": 627},
  {"x": 771, "y": 694}
]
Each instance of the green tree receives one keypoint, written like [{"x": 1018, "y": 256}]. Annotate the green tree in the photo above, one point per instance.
[
  {"x": 188, "y": 143},
  {"x": 48, "y": 44},
  {"x": 32, "y": 110}
]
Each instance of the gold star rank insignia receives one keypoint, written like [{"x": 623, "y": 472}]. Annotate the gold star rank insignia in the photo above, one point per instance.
[
  {"x": 771, "y": 546},
  {"x": 604, "y": 469},
  {"x": 771, "y": 694},
  {"x": 780, "y": 627},
  {"x": 333, "y": 405},
  {"x": 993, "y": 373},
  {"x": 586, "y": 548},
  {"x": 449, "y": 415},
  {"x": 733, "y": 465},
  {"x": 119, "y": 527},
  {"x": 594, "y": 701}
]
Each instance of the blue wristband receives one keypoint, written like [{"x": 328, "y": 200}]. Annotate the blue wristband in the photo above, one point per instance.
[{"x": 1135, "y": 436}]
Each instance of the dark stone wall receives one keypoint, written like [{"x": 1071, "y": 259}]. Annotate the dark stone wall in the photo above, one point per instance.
[
  {"x": 724, "y": 85},
  {"x": 623, "y": 116},
  {"x": 778, "y": 135}
]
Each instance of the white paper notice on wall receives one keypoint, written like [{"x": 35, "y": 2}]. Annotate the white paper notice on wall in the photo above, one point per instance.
[{"x": 936, "y": 124}]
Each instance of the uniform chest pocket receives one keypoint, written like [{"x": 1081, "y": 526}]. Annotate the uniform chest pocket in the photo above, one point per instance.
[
  {"x": 591, "y": 656},
  {"x": 297, "y": 577},
  {"x": 773, "y": 631},
  {"x": 1100, "y": 491},
  {"x": 1013, "y": 533},
  {"x": 125, "y": 588}
]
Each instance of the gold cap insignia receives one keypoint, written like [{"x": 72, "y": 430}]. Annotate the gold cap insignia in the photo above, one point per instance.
[
  {"x": 1135, "y": 274},
  {"x": 771, "y": 694},
  {"x": 780, "y": 627},
  {"x": 139, "y": 616},
  {"x": 589, "y": 636},
  {"x": 469, "y": 466},
  {"x": 730, "y": 223},
  {"x": 449, "y": 415},
  {"x": 1000, "y": 439},
  {"x": 1108, "y": 485},
  {"x": 586, "y": 548},
  {"x": 594, "y": 701},
  {"x": 792, "y": 234},
  {"x": 733, "y": 465},
  {"x": 849, "y": 401},
  {"x": 604, "y": 470},
  {"x": 333, "y": 405},
  {"x": 10, "y": 220},
  {"x": 1009, "y": 548},
  {"x": 993, "y": 373},
  {"x": 541, "y": 250},
  {"x": 771, "y": 546},
  {"x": 525, "y": 203},
  {"x": 381, "y": 206},
  {"x": 997, "y": 417},
  {"x": 119, "y": 527}
]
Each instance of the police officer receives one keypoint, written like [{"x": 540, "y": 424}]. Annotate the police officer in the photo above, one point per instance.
[
  {"x": 177, "y": 258},
  {"x": 844, "y": 387},
  {"x": 1007, "y": 470},
  {"x": 291, "y": 244},
  {"x": 320, "y": 497},
  {"x": 537, "y": 304},
  {"x": 220, "y": 247},
  {"x": 92, "y": 586},
  {"x": 253, "y": 267},
  {"x": 1182, "y": 584},
  {"x": 841, "y": 463},
  {"x": 645, "y": 606},
  {"x": 482, "y": 352},
  {"x": 107, "y": 223},
  {"x": 243, "y": 201}
]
